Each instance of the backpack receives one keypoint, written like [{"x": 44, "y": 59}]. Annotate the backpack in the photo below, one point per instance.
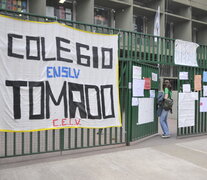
[
  {"x": 167, "y": 104},
  {"x": 160, "y": 98}
]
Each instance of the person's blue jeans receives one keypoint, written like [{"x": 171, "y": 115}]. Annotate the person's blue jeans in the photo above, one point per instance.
[{"x": 163, "y": 122}]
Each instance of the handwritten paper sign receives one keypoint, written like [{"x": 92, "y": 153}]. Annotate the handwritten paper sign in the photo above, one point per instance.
[
  {"x": 185, "y": 53},
  {"x": 137, "y": 72},
  {"x": 154, "y": 77},
  {"x": 204, "y": 76},
  {"x": 138, "y": 87},
  {"x": 197, "y": 83},
  {"x": 183, "y": 75},
  {"x": 135, "y": 101},
  {"x": 147, "y": 84},
  {"x": 186, "y": 110},
  {"x": 152, "y": 93},
  {"x": 146, "y": 110},
  {"x": 194, "y": 95},
  {"x": 203, "y": 104},
  {"x": 204, "y": 90},
  {"x": 186, "y": 88}
]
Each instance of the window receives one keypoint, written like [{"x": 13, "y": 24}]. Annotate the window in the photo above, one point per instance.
[
  {"x": 169, "y": 30},
  {"x": 60, "y": 10},
  {"x": 195, "y": 34},
  {"x": 102, "y": 16},
  {"x": 139, "y": 24},
  {"x": 15, "y": 5}
]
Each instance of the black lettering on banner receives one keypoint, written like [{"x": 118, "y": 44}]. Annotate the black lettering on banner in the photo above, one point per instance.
[
  {"x": 110, "y": 51},
  {"x": 98, "y": 105},
  {"x": 81, "y": 56},
  {"x": 16, "y": 96},
  {"x": 73, "y": 105},
  {"x": 62, "y": 95},
  {"x": 43, "y": 51},
  {"x": 31, "y": 100},
  {"x": 10, "y": 46},
  {"x": 28, "y": 47},
  {"x": 60, "y": 48},
  {"x": 95, "y": 57},
  {"x": 104, "y": 103}
]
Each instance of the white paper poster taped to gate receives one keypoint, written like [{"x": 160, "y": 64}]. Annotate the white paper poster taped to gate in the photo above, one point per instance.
[
  {"x": 146, "y": 110},
  {"x": 204, "y": 90},
  {"x": 138, "y": 87},
  {"x": 137, "y": 72},
  {"x": 203, "y": 104},
  {"x": 186, "y": 110},
  {"x": 53, "y": 76},
  {"x": 185, "y": 53}
]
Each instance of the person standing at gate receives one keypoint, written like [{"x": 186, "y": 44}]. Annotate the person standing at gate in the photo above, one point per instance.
[{"x": 167, "y": 88}]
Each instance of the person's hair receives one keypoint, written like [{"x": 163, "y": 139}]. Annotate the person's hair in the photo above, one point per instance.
[{"x": 167, "y": 84}]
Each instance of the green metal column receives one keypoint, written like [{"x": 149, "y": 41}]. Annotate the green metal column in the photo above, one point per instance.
[{"x": 129, "y": 97}]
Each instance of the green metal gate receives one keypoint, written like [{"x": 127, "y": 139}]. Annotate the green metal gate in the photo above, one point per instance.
[{"x": 138, "y": 130}]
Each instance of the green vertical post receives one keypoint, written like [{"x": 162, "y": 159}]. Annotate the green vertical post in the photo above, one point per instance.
[
  {"x": 38, "y": 141},
  {"x": 88, "y": 137},
  {"x": 46, "y": 140},
  {"x": 110, "y": 135},
  {"x": 82, "y": 135},
  {"x": 129, "y": 97},
  {"x": 30, "y": 137},
  {"x": 69, "y": 138},
  {"x": 22, "y": 143},
  {"x": 76, "y": 138},
  {"x": 14, "y": 144},
  {"x": 105, "y": 135},
  {"x": 5, "y": 142},
  {"x": 53, "y": 140},
  {"x": 178, "y": 88},
  {"x": 61, "y": 139},
  {"x": 149, "y": 51}
]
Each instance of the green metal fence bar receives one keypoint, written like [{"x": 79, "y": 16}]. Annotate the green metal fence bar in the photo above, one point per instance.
[{"x": 46, "y": 141}]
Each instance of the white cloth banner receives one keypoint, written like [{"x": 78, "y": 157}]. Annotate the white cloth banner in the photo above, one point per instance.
[
  {"x": 53, "y": 76},
  {"x": 186, "y": 110},
  {"x": 185, "y": 53}
]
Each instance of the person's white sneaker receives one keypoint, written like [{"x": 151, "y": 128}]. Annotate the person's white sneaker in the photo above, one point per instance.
[{"x": 165, "y": 136}]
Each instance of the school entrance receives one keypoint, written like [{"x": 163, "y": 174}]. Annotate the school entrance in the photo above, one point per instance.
[{"x": 141, "y": 58}]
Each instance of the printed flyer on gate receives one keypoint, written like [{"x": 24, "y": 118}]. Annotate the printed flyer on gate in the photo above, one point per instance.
[{"x": 53, "y": 76}]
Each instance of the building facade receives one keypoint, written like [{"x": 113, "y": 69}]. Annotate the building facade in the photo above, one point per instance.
[{"x": 179, "y": 19}]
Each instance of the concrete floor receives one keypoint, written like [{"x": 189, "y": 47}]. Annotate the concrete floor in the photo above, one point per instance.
[{"x": 152, "y": 158}]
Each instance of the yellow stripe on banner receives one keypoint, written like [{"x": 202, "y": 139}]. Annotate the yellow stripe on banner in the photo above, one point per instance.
[
  {"x": 59, "y": 24},
  {"x": 117, "y": 79},
  {"x": 44, "y": 129}
]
